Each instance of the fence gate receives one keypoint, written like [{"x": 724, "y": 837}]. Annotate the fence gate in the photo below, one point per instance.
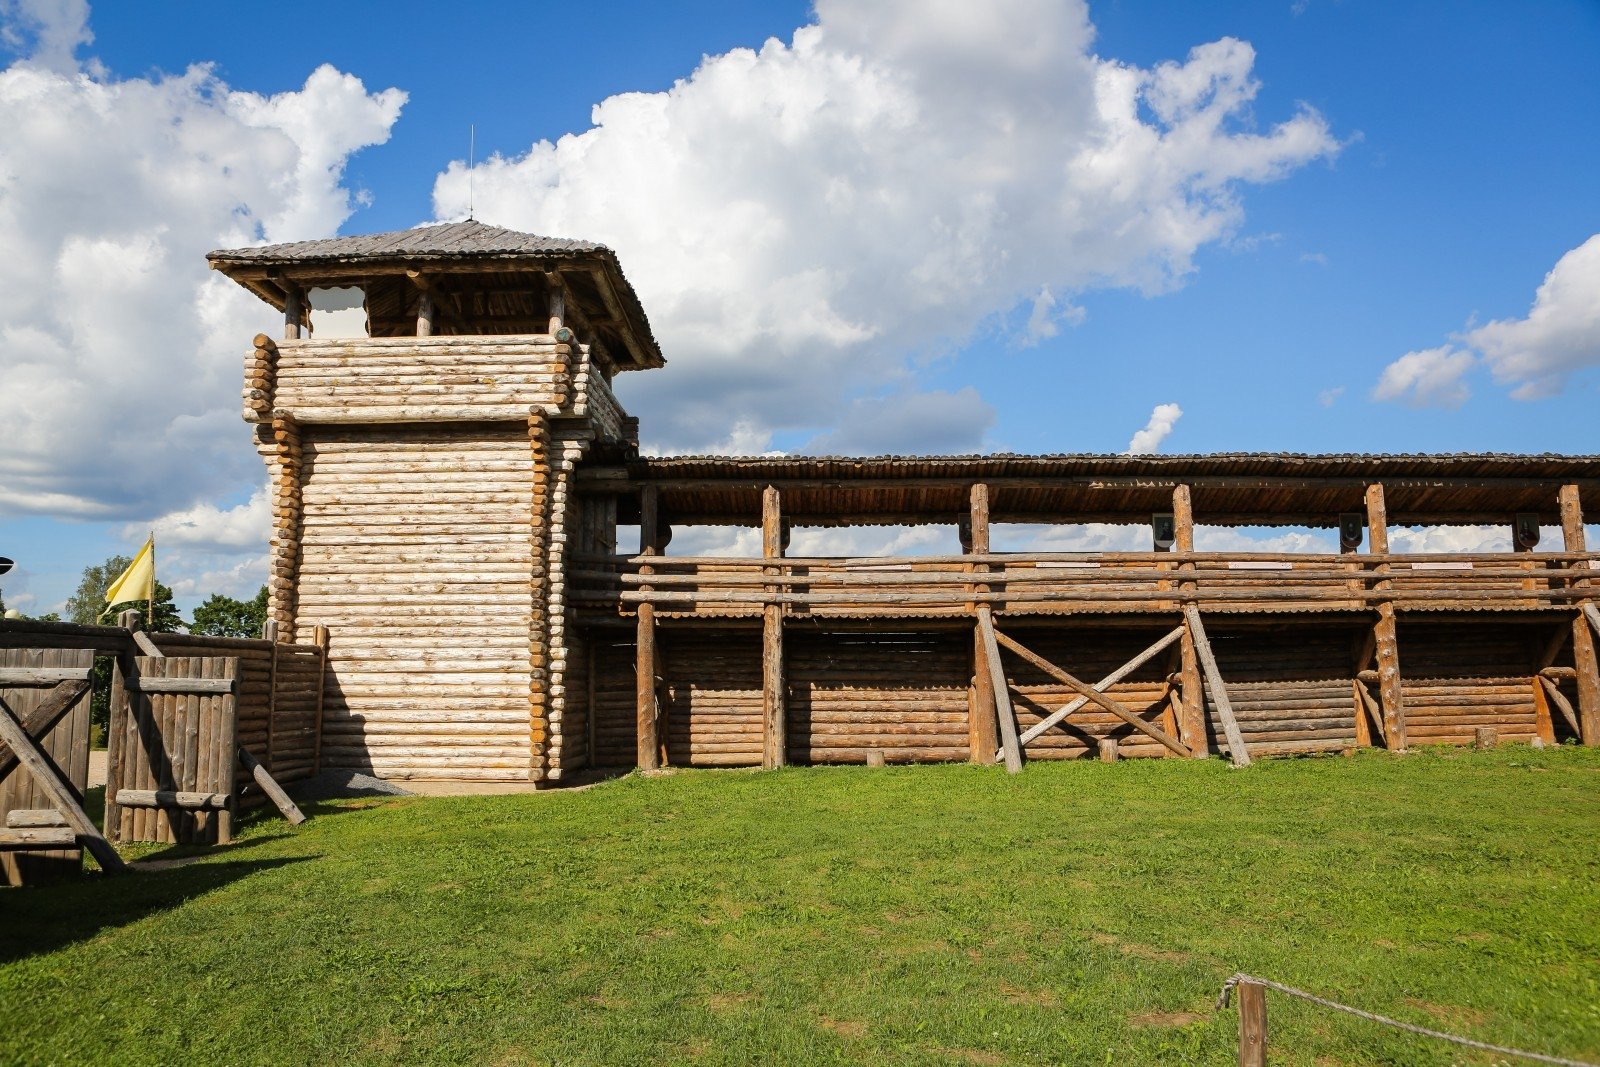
[
  {"x": 174, "y": 729},
  {"x": 31, "y": 684}
]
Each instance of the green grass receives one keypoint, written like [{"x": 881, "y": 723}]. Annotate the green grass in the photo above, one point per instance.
[{"x": 1078, "y": 913}]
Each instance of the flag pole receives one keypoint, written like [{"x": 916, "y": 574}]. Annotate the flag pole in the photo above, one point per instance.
[{"x": 150, "y": 601}]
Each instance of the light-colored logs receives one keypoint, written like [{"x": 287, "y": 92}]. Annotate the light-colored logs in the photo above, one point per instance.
[{"x": 774, "y": 713}]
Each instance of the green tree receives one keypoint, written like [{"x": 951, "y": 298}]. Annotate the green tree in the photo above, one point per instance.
[
  {"x": 88, "y": 605},
  {"x": 223, "y": 616}
]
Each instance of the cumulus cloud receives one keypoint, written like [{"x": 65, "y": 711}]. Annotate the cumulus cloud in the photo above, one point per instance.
[
  {"x": 47, "y": 33},
  {"x": 808, "y": 220},
  {"x": 1162, "y": 420},
  {"x": 1429, "y": 378},
  {"x": 916, "y": 422},
  {"x": 1533, "y": 356},
  {"x": 112, "y": 329}
]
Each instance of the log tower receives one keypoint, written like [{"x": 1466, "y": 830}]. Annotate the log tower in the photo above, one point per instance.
[{"x": 421, "y": 472}]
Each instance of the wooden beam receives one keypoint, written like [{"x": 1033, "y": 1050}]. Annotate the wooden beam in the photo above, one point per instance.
[
  {"x": 294, "y": 311},
  {"x": 425, "y": 313},
  {"x": 1238, "y": 754},
  {"x": 1584, "y": 657},
  {"x": 774, "y": 747},
  {"x": 1192, "y": 726},
  {"x": 31, "y": 838},
  {"x": 1385, "y": 630},
  {"x": 47, "y": 777},
  {"x": 557, "y": 300},
  {"x": 1559, "y": 699},
  {"x": 1252, "y": 1024},
  {"x": 43, "y": 718},
  {"x": 648, "y": 750},
  {"x": 1115, "y": 707},
  {"x": 1102, "y": 685},
  {"x": 1002, "y": 693},
  {"x": 147, "y": 645},
  {"x": 269, "y": 785},
  {"x": 167, "y": 798},
  {"x": 983, "y": 734}
]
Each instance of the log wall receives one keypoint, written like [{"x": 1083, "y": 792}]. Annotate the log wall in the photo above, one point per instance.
[
  {"x": 1460, "y": 677},
  {"x": 417, "y": 554}
]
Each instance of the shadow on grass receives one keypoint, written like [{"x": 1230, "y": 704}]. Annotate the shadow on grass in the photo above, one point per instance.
[{"x": 46, "y": 918}]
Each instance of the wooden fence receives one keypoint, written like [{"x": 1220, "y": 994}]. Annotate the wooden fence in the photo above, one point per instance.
[
  {"x": 28, "y": 680},
  {"x": 279, "y": 695}
]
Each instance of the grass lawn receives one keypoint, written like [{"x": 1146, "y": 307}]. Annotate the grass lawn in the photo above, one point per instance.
[{"x": 1077, "y": 913}]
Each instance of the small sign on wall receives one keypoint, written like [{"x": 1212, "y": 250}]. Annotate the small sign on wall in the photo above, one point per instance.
[
  {"x": 1525, "y": 531},
  {"x": 1163, "y": 531}
]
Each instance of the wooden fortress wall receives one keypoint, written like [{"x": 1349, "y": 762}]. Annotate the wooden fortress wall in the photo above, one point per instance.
[{"x": 905, "y": 694}]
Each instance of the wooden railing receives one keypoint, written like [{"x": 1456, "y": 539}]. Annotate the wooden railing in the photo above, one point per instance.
[{"x": 1065, "y": 582}]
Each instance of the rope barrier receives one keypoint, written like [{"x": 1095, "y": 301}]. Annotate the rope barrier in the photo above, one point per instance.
[{"x": 1227, "y": 993}]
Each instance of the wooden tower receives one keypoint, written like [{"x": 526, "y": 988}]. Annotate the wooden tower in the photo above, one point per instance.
[{"x": 421, "y": 480}]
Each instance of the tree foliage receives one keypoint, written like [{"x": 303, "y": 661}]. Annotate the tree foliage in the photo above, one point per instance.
[{"x": 223, "y": 616}]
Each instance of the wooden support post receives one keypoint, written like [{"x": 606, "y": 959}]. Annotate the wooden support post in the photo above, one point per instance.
[
  {"x": 49, "y": 780},
  {"x": 425, "y": 313},
  {"x": 1385, "y": 630},
  {"x": 1002, "y": 693},
  {"x": 1583, "y": 636},
  {"x": 1237, "y": 753},
  {"x": 648, "y": 747},
  {"x": 1107, "y": 747},
  {"x": 774, "y": 749},
  {"x": 1485, "y": 738},
  {"x": 319, "y": 637},
  {"x": 1192, "y": 726},
  {"x": 269, "y": 634},
  {"x": 270, "y": 786},
  {"x": 294, "y": 310},
  {"x": 558, "y": 300},
  {"x": 983, "y": 737},
  {"x": 1252, "y": 1024}
]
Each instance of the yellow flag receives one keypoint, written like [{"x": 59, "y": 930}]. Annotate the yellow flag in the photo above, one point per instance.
[{"x": 138, "y": 582}]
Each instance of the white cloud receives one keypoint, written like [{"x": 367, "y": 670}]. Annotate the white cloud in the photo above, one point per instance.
[
  {"x": 918, "y": 423},
  {"x": 1533, "y": 356},
  {"x": 47, "y": 32},
  {"x": 805, "y": 221},
  {"x": 120, "y": 350},
  {"x": 1162, "y": 420},
  {"x": 1429, "y": 378},
  {"x": 1329, "y": 397},
  {"x": 1561, "y": 333}
]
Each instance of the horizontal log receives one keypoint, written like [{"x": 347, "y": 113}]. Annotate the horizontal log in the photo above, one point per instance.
[
  {"x": 167, "y": 798},
  {"x": 193, "y": 686},
  {"x": 28, "y": 818},
  {"x": 40, "y": 838},
  {"x": 41, "y": 677}
]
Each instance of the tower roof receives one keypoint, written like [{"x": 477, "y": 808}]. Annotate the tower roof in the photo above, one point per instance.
[{"x": 590, "y": 271}]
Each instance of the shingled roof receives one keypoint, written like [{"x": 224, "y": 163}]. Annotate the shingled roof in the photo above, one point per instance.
[
  {"x": 266, "y": 269},
  {"x": 444, "y": 240}
]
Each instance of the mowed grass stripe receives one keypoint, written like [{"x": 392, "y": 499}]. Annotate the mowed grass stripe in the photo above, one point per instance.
[{"x": 1076, "y": 913}]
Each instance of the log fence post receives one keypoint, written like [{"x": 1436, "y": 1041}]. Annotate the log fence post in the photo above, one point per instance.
[{"x": 1252, "y": 1024}]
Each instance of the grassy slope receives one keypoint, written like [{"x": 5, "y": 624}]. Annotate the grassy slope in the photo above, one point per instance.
[{"x": 1078, "y": 913}]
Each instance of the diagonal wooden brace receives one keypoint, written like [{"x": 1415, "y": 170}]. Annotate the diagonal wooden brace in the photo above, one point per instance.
[
  {"x": 50, "y": 782},
  {"x": 42, "y": 719},
  {"x": 1009, "y": 748},
  {"x": 1101, "y": 686},
  {"x": 1237, "y": 753},
  {"x": 1115, "y": 707}
]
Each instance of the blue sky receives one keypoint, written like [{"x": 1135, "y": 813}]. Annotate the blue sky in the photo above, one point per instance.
[{"x": 1447, "y": 165}]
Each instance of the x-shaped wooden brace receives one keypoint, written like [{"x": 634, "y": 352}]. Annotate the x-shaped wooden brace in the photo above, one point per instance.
[{"x": 17, "y": 746}]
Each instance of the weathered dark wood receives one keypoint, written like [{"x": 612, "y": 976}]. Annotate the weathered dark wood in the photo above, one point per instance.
[
  {"x": 1563, "y": 705},
  {"x": 1385, "y": 629},
  {"x": 25, "y": 818},
  {"x": 1238, "y": 754},
  {"x": 158, "y": 798},
  {"x": 188, "y": 686},
  {"x": 1009, "y": 747},
  {"x": 1108, "y": 703},
  {"x": 37, "y": 838},
  {"x": 42, "y": 719},
  {"x": 271, "y": 788},
  {"x": 50, "y": 781},
  {"x": 146, "y": 645},
  {"x": 42, "y": 676}
]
